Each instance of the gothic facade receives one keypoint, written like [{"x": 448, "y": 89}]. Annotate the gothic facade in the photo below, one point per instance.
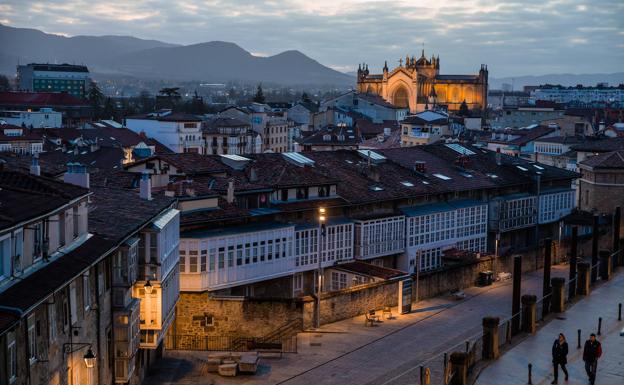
[{"x": 418, "y": 85}]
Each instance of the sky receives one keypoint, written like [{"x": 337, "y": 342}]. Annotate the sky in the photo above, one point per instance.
[{"x": 531, "y": 37}]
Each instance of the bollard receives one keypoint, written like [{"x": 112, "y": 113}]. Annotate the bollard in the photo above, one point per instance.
[
  {"x": 427, "y": 377},
  {"x": 582, "y": 279},
  {"x": 605, "y": 265},
  {"x": 619, "y": 312},
  {"x": 529, "y": 313},
  {"x": 599, "y": 325},
  {"x": 557, "y": 302},
  {"x": 459, "y": 364},
  {"x": 489, "y": 350},
  {"x": 530, "y": 381},
  {"x": 578, "y": 339},
  {"x": 573, "y": 261},
  {"x": 517, "y": 290},
  {"x": 546, "y": 289},
  {"x": 422, "y": 375}
]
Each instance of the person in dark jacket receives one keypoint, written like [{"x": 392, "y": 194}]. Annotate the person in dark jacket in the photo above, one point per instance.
[
  {"x": 591, "y": 354},
  {"x": 560, "y": 357}
]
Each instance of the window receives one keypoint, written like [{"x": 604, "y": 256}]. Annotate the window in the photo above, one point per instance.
[
  {"x": 61, "y": 229},
  {"x": 76, "y": 221},
  {"x": 52, "y": 321},
  {"x": 323, "y": 191},
  {"x": 284, "y": 194},
  {"x": 72, "y": 303},
  {"x": 86, "y": 290},
  {"x": 11, "y": 357},
  {"x": 37, "y": 240},
  {"x": 338, "y": 280},
  {"x": 302, "y": 193},
  {"x": 5, "y": 257},
  {"x": 298, "y": 282},
  {"x": 32, "y": 339}
]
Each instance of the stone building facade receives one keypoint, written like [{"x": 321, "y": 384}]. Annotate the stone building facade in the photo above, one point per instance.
[
  {"x": 601, "y": 187},
  {"x": 418, "y": 84}
]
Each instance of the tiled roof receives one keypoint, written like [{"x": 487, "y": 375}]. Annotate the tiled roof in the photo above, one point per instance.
[
  {"x": 613, "y": 159},
  {"x": 391, "y": 141},
  {"x": 114, "y": 221},
  {"x": 29, "y": 292},
  {"x": 367, "y": 128},
  {"x": 40, "y": 99},
  {"x": 105, "y": 158},
  {"x": 189, "y": 163},
  {"x": 562, "y": 139},
  {"x": 172, "y": 117},
  {"x": 368, "y": 269},
  {"x": 338, "y": 136},
  {"x": 24, "y": 196},
  {"x": 600, "y": 145},
  {"x": 427, "y": 117},
  {"x": 27, "y": 134}
]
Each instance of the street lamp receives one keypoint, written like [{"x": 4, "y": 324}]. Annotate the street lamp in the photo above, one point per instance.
[
  {"x": 321, "y": 219},
  {"x": 89, "y": 358}
]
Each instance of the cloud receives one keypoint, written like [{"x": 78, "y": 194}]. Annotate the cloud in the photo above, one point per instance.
[{"x": 513, "y": 37}]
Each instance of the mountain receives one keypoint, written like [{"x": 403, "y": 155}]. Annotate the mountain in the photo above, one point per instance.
[
  {"x": 564, "y": 79},
  {"x": 214, "y": 61}
]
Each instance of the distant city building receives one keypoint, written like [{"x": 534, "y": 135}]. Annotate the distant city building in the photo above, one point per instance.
[
  {"x": 45, "y": 117},
  {"x": 373, "y": 106},
  {"x": 230, "y": 136},
  {"x": 417, "y": 83},
  {"x": 75, "y": 110},
  {"x": 424, "y": 128},
  {"x": 516, "y": 117},
  {"x": 19, "y": 140},
  {"x": 586, "y": 95},
  {"x": 341, "y": 137},
  {"x": 179, "y": 132},
  {"x": 73, "y": 79},
  {"x": 498, "y": 99}
]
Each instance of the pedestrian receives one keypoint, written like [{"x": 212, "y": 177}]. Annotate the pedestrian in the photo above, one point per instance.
[
  {"x": 591, "y": 354},
  {"x": 560, "y": 357}
]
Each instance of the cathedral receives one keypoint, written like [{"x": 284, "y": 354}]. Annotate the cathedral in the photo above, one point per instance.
[{"x": 417, "y": 84}]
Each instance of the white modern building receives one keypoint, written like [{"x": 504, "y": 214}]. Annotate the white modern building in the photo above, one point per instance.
[
  {"x": 179, "y": 132},
  {"x": 44, "y": 118}
]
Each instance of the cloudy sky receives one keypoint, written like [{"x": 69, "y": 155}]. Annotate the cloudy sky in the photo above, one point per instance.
[{"x": 512, "y": 37}]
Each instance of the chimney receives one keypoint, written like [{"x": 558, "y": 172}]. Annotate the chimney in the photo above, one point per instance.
[
  {"x": 76, "y": 174},
  {"x": 420, "y": 166},
  {"x": 35, "y": 169},
  {"x": 145, "y": 186},
  {"x": 230, "y": 191},
  {"x": 499, "y": 157},
  {"x": 387, "y": 131}
]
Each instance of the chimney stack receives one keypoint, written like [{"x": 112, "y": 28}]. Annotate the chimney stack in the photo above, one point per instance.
[
  {"x": 499, "y": 157},
  {"x": 145, "y": 186},
  {"x": 35, "y": 169},
  {"x": 77, "y": 174},
  {"x": 230, "y": 191}
]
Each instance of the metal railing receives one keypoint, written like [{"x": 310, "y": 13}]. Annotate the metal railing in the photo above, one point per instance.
[{"x": 229, "y": 343}]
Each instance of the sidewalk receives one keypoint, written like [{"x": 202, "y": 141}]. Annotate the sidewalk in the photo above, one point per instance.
[
  {"x": 511, "y": 368},
  {"x": 347, "y": 352}
]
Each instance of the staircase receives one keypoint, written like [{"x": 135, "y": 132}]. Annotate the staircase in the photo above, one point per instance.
[{"x": 289, "y": 329}]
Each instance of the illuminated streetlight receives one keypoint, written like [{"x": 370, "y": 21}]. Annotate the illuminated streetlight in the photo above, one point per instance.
[{"x": 89, "y": 358}]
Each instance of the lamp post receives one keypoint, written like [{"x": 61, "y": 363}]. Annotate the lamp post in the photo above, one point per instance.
[
  {"x": 89, "y": 357},
  {"x": 319, "y": 273}
]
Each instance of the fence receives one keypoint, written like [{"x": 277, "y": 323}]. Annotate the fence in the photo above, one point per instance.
[{"x": 229, "y": 343}]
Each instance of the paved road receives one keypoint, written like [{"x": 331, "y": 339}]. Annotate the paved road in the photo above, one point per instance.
[
  {"x": 511, "y": 368},
  {"x": 346, "y": 352}
]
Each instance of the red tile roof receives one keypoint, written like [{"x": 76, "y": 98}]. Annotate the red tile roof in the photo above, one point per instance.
[
  {"x": 613, "y": 159},
  {"x": 40, "y": 99}
]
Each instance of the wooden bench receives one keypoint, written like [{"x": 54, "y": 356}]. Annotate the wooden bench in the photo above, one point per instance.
[
  {"x": 387, "y": 312},
  {"x": 268, "y": 347}
]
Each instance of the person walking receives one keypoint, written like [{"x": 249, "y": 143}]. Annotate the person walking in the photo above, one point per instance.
[
  {"x": 560, "y": 357},
  {"x": 591, "y": 354}
]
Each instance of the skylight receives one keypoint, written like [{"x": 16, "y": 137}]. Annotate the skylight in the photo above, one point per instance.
[
  {"x": 442, "y": 176},
  {"x": 538, "y": 167},
  {"x": 522, "y": 168},
  {"x": 460, "y": 149},
  {"x": 235, "y": 157},
  {"x": 376, "y": 188},
  {"x": 465, "y": 174},
  {"x": 349, "y": 161},
  {"x": 425, "y": 182},
  {"x": 407, "y": 184},
  {"x": 372, "y": 155},
  {"x": 298, "y": 159},
  {"x": 493, "y": 176}
]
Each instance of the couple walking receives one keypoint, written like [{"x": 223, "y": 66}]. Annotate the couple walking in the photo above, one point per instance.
[{"x": 591, "y": 353}]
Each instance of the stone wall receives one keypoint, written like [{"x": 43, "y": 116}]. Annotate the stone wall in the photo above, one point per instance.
[{"x": 232, "y": 316}]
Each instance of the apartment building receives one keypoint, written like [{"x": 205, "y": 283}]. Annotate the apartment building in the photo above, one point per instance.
[
  {"x": 424, "y": 128},
  {"x": 88, "y": 280},
  {"x": 19, "y": 140},
  {"x": 179, "y": 132},
  {"x": 250, "y": 224},
  {"x": 45, "y": 77}
]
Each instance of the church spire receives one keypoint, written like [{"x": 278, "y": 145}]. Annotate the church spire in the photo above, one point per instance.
[{"x": 385, "y": 67}]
